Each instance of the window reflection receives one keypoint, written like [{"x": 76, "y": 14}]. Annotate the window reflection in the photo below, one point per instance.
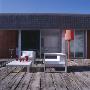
[
  {"x": 79, "y": 44},
  {"x": 72, "y": 48},
  {"x": 76, "y": 45}
]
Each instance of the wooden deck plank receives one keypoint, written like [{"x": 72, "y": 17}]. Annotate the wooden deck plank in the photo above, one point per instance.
[
  {"x": 83, "y": 80},
  {"x": 76, "y": 79},
  {"x": 42, "y": 82},
  {"x": 17, "y": 81},
  {"x": 81, "y": 85},
  {"x": 86, "y": 74},
  {"x": 23, "y": 85},
  {"x": 49, "y": 82},
  {"x": 14, "y": 82},
  {"x": 3, "y": 72},
  {"x": 5, "y": 81},
  {"x": 36, "y": 82},
  {"x": 66, "y": 81},
  {"x": 58, "y": 82},
  {"x": 73, "y": 81},
  {"x": 31, "y": 81}
]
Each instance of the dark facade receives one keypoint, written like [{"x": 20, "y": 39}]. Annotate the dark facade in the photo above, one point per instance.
[
  {"x": 38, "y": 29},
  {"x": 8, "y": 40},
  {"x": 42, "y": 21}
]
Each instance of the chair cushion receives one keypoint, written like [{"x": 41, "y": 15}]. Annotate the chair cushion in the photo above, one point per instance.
[
  {"x": 26, "y": 58},
  {"x": 53, "y": 61},
  {"x": 27, "y": 53}
]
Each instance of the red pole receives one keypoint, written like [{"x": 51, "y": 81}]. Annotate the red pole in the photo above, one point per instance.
[{"x": 68, "y": 50}]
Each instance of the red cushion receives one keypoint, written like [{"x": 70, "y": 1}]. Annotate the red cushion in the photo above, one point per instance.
[
  {"x": 69, "y": 35},
  {"x": 72, "y": 35},
  {"x": 26, "y": 58},
  {"x": 16, "y": 57}
]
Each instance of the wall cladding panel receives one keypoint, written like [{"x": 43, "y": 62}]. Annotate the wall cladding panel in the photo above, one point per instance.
[
  {"x": 8, "y": 39},
  {"x": 44, "y": 21},
  {"x": 88, "y": 44}
]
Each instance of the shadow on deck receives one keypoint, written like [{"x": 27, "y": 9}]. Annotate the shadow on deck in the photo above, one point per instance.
[{"x": 59, "y": 69}]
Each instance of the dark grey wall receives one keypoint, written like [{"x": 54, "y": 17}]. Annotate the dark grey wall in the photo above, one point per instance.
[{"x": 44, "y": 21}]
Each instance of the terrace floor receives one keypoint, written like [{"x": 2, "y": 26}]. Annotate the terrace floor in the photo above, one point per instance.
[{"x": 77, "y": 78}]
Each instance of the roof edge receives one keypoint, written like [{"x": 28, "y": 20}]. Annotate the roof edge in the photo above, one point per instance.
[{"x": 60, "y": 14}]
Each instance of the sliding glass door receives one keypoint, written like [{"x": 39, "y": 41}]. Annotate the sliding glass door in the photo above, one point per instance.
[
  {"x": 50, "y": 41},
  {"x": 77, "y": 46}
]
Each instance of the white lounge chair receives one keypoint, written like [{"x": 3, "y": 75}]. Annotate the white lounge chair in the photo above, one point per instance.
[{"x": 59, "y": 61}]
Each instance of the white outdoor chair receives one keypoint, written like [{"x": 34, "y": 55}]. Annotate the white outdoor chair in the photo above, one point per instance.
[
  {"x": 31, "y": 55},
  {"x": 59, "y": 61}
]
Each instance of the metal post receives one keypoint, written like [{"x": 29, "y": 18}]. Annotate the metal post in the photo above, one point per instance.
[
  {"x": 44, "y": 63},
  {"x": 74, "y": 43},
  {"x": 40, "y": 43},
  {"x": 68, "y": 50},
  {"x": 19, "y": 42},
  {"x": 86, "y": 44}
]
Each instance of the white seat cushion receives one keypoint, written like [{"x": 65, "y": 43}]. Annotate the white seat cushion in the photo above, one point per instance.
[
  {"x": 31, "y": 55},
  {"x": 53, "y": 61},
  {"x": 27, "y": 53}
]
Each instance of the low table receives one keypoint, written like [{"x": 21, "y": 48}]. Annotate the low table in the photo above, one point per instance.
[{"x": 18, "y": 63}]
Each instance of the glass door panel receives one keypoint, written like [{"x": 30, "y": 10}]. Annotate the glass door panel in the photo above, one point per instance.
[{"x": 79, "y": 44}]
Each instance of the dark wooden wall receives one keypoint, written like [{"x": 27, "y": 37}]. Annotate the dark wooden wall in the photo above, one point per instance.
[
  {"x": 88, "y": 44},
  {"x": 8, "y": 39}
]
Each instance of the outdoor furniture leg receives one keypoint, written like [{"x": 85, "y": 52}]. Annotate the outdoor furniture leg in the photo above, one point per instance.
[
  {"x": 66, "y": 61},
  {"x": 83, "y": 61},
  {"x": 7, "y": 69},
  {"x": 66, "y": 69},
  {"x": 27, "y": 68},
  {"x": 44, "y": 63},
  {"x": 44, "y": 68},
  {"x": 11, "y": 69}
]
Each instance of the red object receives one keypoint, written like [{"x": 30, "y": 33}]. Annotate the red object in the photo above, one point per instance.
[
  {"x": 68, "y": 50},
  {"x": 72, "y": 35},
  {"x": 20, "y": 59},
  {"x": 16, "y": 57},
  {"x": 26, "y": 57},
  {"x": 69, "y": 35}
]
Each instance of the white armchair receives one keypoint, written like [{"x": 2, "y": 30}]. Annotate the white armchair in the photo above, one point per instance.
[
  {"x": 59, "y": 61},
  {"x": 31, "y": 55}
]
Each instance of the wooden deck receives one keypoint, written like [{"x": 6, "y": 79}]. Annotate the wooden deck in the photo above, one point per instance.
[
  {"x": 51, "y": 81},
  {"x": 77, "y": 78}
]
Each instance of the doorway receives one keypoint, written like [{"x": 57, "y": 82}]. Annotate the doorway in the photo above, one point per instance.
[{"x": 30, "y": 40}]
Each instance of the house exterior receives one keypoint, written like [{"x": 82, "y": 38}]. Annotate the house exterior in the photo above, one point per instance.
[{"x": 44, "y": 32}]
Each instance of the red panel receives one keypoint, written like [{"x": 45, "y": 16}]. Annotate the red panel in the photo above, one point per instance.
[
  {"x": 69, "y": 35},
  {"x": 72, "y": 35}
]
